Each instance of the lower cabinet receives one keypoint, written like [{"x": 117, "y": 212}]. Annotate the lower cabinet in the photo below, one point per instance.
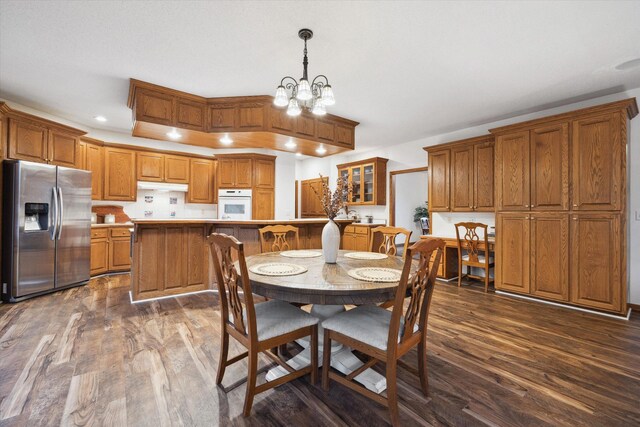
[
  {"x": 574, "y": 258},
  {"x": 356, "y": 238},
  {"x": 110, "y": 250},
  {"x": 263, "y": 203}
]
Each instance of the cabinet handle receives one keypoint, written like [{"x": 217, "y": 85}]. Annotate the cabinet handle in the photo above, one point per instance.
[
  {"x": 575, "y": 219},
  {"x": 526, "y": 206},
  {"x": 532, "y": 205},
  {"x": 575, "y": 206}
]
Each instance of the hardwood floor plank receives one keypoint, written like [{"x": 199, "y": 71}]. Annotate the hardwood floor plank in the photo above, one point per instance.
[
  {"x": 68, "y": 339},
  {"x": 80, "y": 407}
]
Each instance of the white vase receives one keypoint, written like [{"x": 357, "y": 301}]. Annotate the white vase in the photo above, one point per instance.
[{"x": 330, "y": 242}]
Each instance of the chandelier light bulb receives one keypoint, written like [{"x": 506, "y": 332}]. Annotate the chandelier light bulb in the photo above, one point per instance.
[
  {"x": 304, "y": 90},
  {"x": 281, "y": 99},
  {"x": 327, "y": 95},
  {"x": 294, "y": 108},
  {"x": 318, "y": 107}
]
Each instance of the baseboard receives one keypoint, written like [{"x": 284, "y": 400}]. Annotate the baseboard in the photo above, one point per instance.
[
  {"x": 634, "y": 307},
  {"x": 570, "y": 307}
]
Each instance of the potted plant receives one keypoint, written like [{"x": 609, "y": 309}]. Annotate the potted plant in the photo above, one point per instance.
[
  {"x": 332, "y": 204},
  {"x": 421, "y": 215}
]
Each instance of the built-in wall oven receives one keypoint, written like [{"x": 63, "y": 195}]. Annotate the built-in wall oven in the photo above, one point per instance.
[{"x": 234, "y": 204}]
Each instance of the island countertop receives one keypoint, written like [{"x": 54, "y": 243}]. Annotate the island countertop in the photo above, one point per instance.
[{"x": 223, "y": 222}]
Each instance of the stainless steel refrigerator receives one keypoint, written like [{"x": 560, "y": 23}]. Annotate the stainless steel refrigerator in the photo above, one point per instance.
[{"x": 46, "y": 229}]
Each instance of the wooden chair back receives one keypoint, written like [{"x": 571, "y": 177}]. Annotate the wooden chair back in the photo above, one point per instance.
[
  {"x": 419, "y": 289},
  {"x": 230, "y": 281},
  {"x": 280, "y": 242},
  {"x": 388, "y": 243},
  {"x": 470, "y": 241}
]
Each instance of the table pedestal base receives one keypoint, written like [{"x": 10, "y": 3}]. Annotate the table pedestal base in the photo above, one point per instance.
[{"x": 342, "y": 359}]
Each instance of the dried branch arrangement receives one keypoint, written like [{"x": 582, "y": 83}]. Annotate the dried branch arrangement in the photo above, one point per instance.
[{"x": 332, "y": 203}]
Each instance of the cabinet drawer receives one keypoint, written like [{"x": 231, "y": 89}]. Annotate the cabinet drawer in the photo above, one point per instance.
[
  {"x": 350, "y": 229},
  {"x": 99, "y": 233},
  {"x": 120, "y": 232},
  {"x": 363, "y": 229}
]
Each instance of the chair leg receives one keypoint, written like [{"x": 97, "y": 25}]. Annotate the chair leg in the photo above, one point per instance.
[
  {"x": 486, "y": 279},
  {"x": 422, "y": 367},
  {"x": 224, "y": 351},
  {"x": 252, "y": 376},
  {"x": 314, "y": 354},
  {"x": 459, "y": 272},
  {"x": 392, "y": 393},
  {"x": 326, "y": 360}
]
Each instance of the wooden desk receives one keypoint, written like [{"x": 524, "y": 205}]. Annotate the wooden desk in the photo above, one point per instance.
[{"x": 449, "y": 266}]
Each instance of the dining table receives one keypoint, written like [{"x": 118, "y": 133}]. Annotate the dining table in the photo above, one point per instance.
[{"x": 328, "y": 288}]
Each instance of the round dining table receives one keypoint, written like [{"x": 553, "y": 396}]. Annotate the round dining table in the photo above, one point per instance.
[{"x": 329, "y": 287}]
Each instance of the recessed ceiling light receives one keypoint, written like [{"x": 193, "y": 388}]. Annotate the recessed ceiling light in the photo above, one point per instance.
[
  {"x": 634, "y": 63},
  {"x": 321, "y": 150},
  {"x": 100, "y": 118},
  {"x": 226, "y": 139},
  {"x": 174, "y": 134},
  {"x": 291, "y": 144},
  {"x": 298, "y": 154}
]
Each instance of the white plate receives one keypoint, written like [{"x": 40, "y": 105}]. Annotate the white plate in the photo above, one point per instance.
[
  {"x": 301, "y": 254},
  {"x": 376, "y": 274},
  {"x": 277, "y": 269},
  {"x": 365, "y": 255}
]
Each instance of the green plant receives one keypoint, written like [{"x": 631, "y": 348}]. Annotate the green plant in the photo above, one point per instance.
[{"x": 421, "y": 212}]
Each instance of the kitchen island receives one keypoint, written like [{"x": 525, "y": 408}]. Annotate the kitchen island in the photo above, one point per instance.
[{"x": 171, "y": 257}]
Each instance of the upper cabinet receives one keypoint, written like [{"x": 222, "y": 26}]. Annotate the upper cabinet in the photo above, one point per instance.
[
  {"x": 461, "y": 175},
  {"x": 234, "y": 173},
  {"x": 120, "y": 174},
  {"x": 159, "y": 167},
  {"x": 92, "y": 159},
  {"x": 252, "y": 120},
  {"x": 368, "y": 180},
  {"x": 310, "y": 206},
  {"x": 202, "y": 187},
  {"x": 176, "y": 169},
  {"x": 43, "y": 141}
]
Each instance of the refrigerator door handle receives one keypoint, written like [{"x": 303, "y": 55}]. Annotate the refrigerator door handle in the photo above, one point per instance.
[
  {"x": 61, "y": 212},
  {"x": 56, "y": 208}
]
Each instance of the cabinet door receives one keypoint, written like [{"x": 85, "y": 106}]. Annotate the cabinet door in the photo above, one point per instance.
[
  {"x": 512, "y": 252},
  {"x": 263, "y": 203},
  {"x": 306, "y": 126},
  {"x": 439, "y": 181},
  {"x": 62, "y": 149},
  {"x": 596, "y": 261},
  {"x": 81, "y": 155},
  {"x": 190, "y": 114},
  {"x": 550, "y": 167},
  {"x": 99, "y": 256},
  {"x": 362, "y": 242},
  {"x": 119, "y": 254},
  {"x": 251, "y": 116},
  {"x": 550, "y": 256},
  {"x": 344, "y": 174},
  {"x": 120, "y": 174},
  {"x": 281, "y": 121},
  {"x": 222, "y": 117},
  {"x": 227, "y": 173},
  {"x": 349, "y": 241},
  {"x": 264, "y": 173},
  {"x": 356, "y": 181},
  {"x": 483, "y": 189},
  {"x": 94, "y": 162},
  {"x": 154, "y": 107},
  {"x": 28, "y": 141},
  {"x": 597, "y": 152},
  {"x": 512, "y": 171},
  {"x": 462, "y": 179},
  {"x": 202, "y": 181},
  {"x": 368, "y": 184},
  {"x": 243, "y": 173},
  {"x": 150, "y": 167},
  {"x": 176, "y": 169}
]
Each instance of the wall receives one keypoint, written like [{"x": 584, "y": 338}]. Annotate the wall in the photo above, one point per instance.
[
  {"x": 410, "y": 154},
  {"x": 285, "y": 166}
]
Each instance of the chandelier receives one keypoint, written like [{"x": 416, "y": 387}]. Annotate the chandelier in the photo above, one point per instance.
[{"x": 314, "y": 96}]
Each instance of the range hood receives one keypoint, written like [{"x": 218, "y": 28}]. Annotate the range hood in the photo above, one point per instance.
[{"x": 162, "y": 186}]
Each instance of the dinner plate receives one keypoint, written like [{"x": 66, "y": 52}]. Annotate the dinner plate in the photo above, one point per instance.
[
  {"x": 365, "y": 255},
  {"x": 376, "y": 274},
  {"x": 301, "y": 254},
  {"x": 277, "y": 269}
]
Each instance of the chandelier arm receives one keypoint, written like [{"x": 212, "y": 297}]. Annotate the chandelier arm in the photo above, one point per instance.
[
  {"x": 295, "y": 82},
  {"x": 321, "y": 76}
]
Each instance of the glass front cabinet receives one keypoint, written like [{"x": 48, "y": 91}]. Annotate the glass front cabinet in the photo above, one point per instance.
[{"x": 368, "y": 179}]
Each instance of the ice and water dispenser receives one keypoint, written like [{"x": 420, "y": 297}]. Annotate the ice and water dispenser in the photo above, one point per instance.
[{"x": 36, "y": 216}]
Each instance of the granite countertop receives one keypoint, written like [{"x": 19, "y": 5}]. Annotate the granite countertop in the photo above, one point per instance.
[{"x": 117, "y": 224}]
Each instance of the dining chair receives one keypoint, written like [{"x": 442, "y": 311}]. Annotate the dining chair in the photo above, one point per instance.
[
  {"x": 280, "y": 242},
  {"x": 471, "y": 253},
  {"x": 385, "y": 335},
  {"x": 258, "y": 327},
  {"x": 388, "y": 243}
]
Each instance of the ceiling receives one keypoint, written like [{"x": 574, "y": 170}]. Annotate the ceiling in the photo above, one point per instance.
[{"x": 404, "y": 70}]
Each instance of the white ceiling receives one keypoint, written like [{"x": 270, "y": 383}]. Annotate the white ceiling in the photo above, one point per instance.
[{"x": 404, "y": 70}]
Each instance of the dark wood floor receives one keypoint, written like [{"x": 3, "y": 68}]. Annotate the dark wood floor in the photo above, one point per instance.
[{"x": 86, "y": 356}]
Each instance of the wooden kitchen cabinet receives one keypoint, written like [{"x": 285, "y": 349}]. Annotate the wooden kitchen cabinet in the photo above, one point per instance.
[
  {"x": 439, "y": 181},
  {"x": 62, "y": 149},
  {"x": 356, "y": 238},
  {"x": 549, "y": 250},
  {"x": 368, "y": 180},
  {"x": 310, "y": 206},
  {"x": 99, "y": 263},
  {"x": 550, "y": 167},
  {"x": 243, "y": 173},
  {"x": 119, "y": 254},
  {"x": 94, "y": 162},
  {"x": 202, "y": 181},
  {"x": 462, "y": 174},
  {"x": 110, "y": 249},
  {"x": 234, "y": 173},
  {"x": 597, "y": 261},
  {"x": 191, "y": 114},
  {"x": 155, "y": 107},
  {"x": 483, "y": 178},
  {"x": 120, "y": 174},
  {"x": 150, "y": 166},
  {"x": 597, "y": 152},
  {"x": 512, "y": 252},
  {"x": 176, "y": 169},
  {"x": 264, "y": 173},
  {"x": 512, "y": 172},
  {"x": 263, "y": 203}
]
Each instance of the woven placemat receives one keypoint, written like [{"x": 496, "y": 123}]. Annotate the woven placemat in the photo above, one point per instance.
[
  {"x": 365, "y": 255},
  {"x": 277, "y": 269},
  {"x": 301, "y": 254},
  {"x": 376, "y": 274}
]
